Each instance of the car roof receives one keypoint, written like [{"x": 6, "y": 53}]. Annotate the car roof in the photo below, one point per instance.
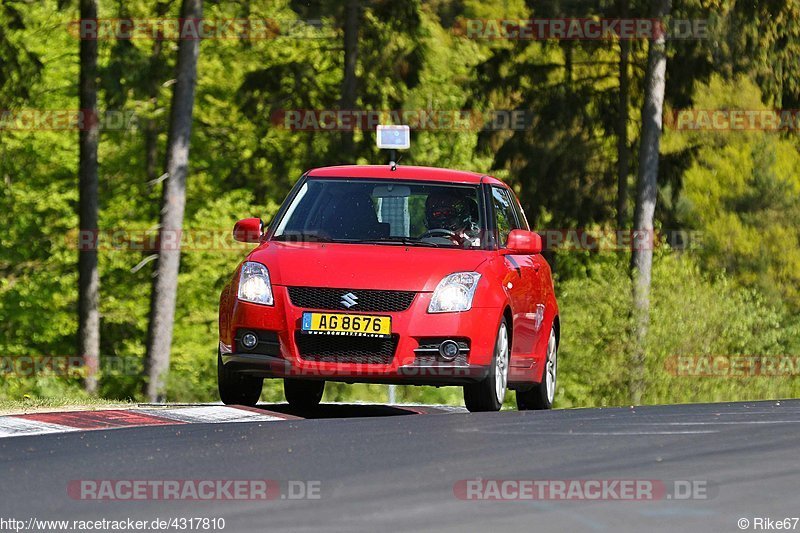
[{"x": 403, "y": 172}]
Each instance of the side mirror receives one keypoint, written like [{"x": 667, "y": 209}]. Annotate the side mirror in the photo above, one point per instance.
[
  {"x": 248, "y": 230},
  {"x": 523, "y": 242}
]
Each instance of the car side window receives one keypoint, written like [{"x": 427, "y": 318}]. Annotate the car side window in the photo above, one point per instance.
[
  {"x": 523, "y": 220},
  {"x": 504, "y": 214}
]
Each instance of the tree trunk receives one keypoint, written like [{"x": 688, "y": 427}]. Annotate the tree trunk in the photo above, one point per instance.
[
  {"x": 348, "y": 102},
  {"x": 568, "y": 64},
  {"x": 623, "y": 151},
  {"x": 88, "y": 276},
  {"x": 165, "y": 283},
  {"x": 646, "y": 194}
]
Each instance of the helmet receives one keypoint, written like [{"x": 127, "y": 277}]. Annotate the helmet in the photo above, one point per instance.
[{"x": 449, "y": 210}]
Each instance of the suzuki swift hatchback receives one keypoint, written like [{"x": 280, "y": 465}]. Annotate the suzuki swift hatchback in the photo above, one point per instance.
[{"x": 397, "y": 275}]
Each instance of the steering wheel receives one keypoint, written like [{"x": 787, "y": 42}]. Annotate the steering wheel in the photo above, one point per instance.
[{"x": 438, "y": 232}]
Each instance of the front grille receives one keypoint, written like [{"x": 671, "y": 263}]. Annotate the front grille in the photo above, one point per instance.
[
  {"x": 367, "y": 300},
  {"x": 345, "y": 349}
]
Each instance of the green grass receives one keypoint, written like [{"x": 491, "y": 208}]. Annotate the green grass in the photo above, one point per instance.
[{"x": 29, "y": 403}]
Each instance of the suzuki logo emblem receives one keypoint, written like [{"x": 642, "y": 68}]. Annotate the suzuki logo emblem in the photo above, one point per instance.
[{"x": 349, "y": 300}]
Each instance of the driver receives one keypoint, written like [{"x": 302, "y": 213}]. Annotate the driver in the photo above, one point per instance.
[{"x": 456, "y": 215}]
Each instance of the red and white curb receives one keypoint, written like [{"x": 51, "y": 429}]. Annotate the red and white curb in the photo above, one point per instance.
[{"x": 67, "y": 421}]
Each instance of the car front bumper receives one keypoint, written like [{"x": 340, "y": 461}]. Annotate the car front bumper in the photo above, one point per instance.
[{"x": 412, "y": 359}]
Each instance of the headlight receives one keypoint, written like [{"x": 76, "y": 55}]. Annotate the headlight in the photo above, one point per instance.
[
  {"x": 454, "y": 293},
  {"x": 254, "y": 285}
]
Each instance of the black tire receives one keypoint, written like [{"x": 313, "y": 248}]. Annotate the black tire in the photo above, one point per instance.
[
  {"x": 236, "y": 388},
  {"x": 484, "y": 395},
  {"x": 303, "y": 393},
  {"x": 539, "y": 397}
]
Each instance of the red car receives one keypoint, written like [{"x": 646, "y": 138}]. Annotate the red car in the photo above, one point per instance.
[{"x": 397, "y": 275}]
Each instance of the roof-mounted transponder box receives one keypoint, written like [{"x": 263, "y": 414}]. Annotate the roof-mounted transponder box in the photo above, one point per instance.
[{"x": 394, "y": 137}]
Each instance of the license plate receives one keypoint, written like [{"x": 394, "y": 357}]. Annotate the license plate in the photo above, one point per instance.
[{"x": 341, "y": 324}]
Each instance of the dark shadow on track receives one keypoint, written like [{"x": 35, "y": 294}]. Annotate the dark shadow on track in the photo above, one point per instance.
[{"x": 340, "y": 410}]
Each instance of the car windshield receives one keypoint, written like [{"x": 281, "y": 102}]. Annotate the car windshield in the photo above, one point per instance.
[{"x": 383, "y": 212}]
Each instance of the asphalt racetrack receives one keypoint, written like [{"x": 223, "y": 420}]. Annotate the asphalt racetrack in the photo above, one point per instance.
[{"x": 368, "y": 468}]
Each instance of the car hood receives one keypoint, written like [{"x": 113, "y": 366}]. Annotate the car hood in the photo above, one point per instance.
[{"x": 363, "y": 266}]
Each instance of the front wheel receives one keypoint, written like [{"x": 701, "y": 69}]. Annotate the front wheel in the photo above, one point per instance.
[
  {"x": 303, "y": 393},
  {"x": 488, "y": 395},
  {"x": 541, "y": 396},
  {"x": 236, "y": 388}
]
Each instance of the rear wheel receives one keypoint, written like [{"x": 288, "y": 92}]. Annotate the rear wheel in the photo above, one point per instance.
[
  {"x": 541, "y": 396},
  {"x": 236, "y": 388},
  {"x": 488, "y": 395},
  {"x": 303, "y": 393}
]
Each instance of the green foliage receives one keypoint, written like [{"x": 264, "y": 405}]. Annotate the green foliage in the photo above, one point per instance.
[
  {"x": 20, "y": 63},
  {"x": 742, "y": 192},
  {"x": 767, "y": 37},
  {"x": 38, "y": 194},
  {"x": 692, "y": 315}
]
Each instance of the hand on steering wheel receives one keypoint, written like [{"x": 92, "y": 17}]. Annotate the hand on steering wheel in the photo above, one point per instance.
[{"x": 438, "y": 232}]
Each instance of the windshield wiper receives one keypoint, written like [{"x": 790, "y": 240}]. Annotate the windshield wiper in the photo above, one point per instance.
[{"x": 397, "y": 240}]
